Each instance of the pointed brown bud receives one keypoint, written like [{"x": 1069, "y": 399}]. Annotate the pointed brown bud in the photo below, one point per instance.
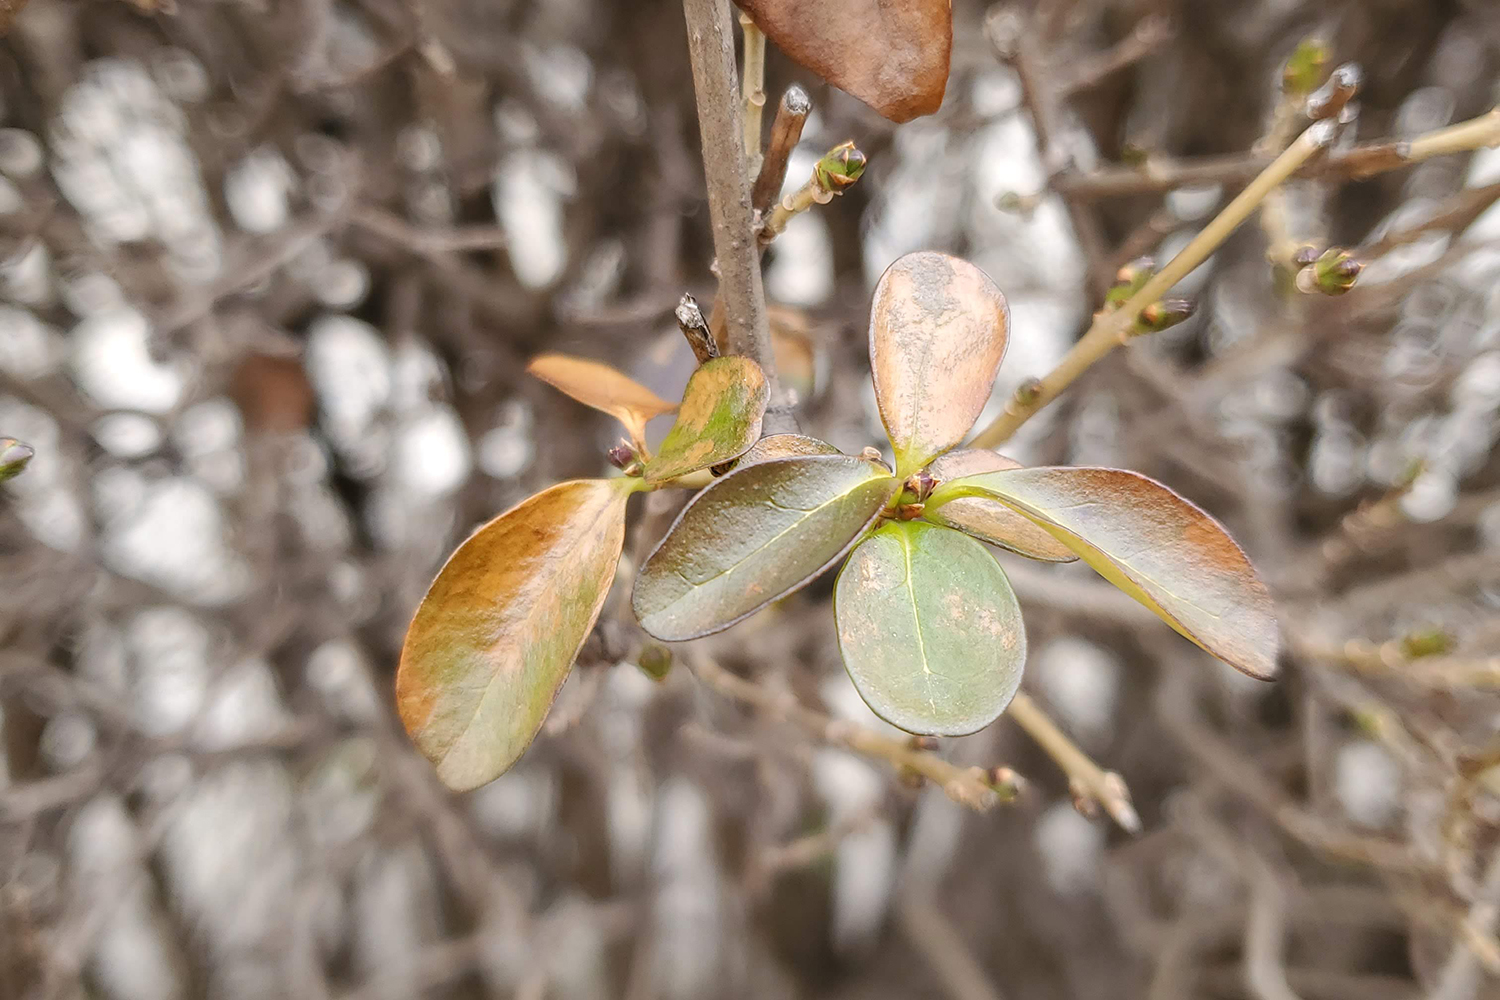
[{"x": 926, "y": 744}]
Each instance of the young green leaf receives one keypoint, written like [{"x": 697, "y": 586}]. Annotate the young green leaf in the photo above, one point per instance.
[
  {"x": 892, "y": 56},
  {"x": 1152, "y": 544},
  {"x": 929, "y": 628},
  {"x": 786, "y": 446},
  {"x": 938, "y": 330},
  {"x": 601, "y": 387},
  {"x": 755, "y": 536},
  {"x": 720, "y": 418},
  {"x": 990, "y": 520},
  {"x": 500, "y": 627}
]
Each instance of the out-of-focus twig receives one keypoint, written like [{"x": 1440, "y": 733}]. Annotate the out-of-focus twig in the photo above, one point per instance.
[
  {"x": 1089, "y": 782},
  {"x": 965, "y": 785}
]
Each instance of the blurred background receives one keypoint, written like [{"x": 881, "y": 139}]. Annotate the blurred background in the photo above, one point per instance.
[{"x": 272, "y": 271}]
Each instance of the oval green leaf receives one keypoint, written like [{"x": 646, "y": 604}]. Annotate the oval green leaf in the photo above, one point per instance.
[
  {"x": 1154, "y": 545},
  {"x": 990, "y": 520},
  {"x": 500, "y": 627},
  {"x": 930, "y": 629},
  {"x": 755, "y": 536},
  {"x": 938, "y": 331},
  {"x": 601, "y": 387},
  {"x": 719, "y": 420},
  {"x": 787, "y": 446}
]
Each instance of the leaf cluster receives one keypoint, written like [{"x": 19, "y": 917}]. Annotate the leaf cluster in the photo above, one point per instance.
[{"x": 929, "y": 627}]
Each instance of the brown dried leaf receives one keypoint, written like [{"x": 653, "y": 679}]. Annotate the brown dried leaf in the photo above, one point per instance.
[
  {"x": 891, "y": 54},
  {"x": 938, "y": 331},
  {"x": 602, "y": 387},
  {"x": 500, "y": 627},
  {"x": 990, "y": 520}
]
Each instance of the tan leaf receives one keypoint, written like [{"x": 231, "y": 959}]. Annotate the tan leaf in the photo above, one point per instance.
[
  {"x": 891, "y": 54},
  {"x": 500, "y": 627},
  {"x": 602, "y": 387}
]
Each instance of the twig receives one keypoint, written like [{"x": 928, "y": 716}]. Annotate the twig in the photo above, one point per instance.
[
  {"x": 1364, "y": 160},
  {"x": 753, "y": 88},
  {"x": 940, "y": 942},
  {"x": 965, "y": 785},
  {"x": 710, "y": 46},
  {"x": 1088, "y": 781},
  {"x": 1149, "y": 32},
  {"x": 840, "y": 167},
  {"x": 1111, "y": 329},
  {"x": 786, "y": 132}
]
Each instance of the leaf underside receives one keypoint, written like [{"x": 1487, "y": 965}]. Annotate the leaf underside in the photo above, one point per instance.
[
  {"x": 603, "y": 388},
  {"x": 938, "y": 332},
  {"x": 990, "y": 520},
  {"x": 499, "y": 629},
  {"x": 891, "y": 54},
  {"x": 1154, "y": 545},
  {"x": 720, "y": 418},
  {"x": 754, "y": 536},
  {"x": 929, "y": 629}
]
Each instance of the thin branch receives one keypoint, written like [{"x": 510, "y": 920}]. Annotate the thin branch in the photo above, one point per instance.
[
  {"x": 1363, "y": 160},
  {"x": 965, "y": 785},
  {"x": 1149, "y": 33},
  {"x": 711, "y": 48},
  {"x": 1111, "y": 329},
  {"x": 1088, "y": 781},
  {"x": 786, "y": 132},
  {"x": 753, "y": 88}
]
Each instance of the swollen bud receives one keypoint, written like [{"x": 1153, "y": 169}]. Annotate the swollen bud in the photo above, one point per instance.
[
  {"x": 1426, "y": 642},
  {"x": 1163, "y": 315},
  {"x": 1304, "y": 69},
  {"x": 926, "y": 744},
  {"x": 655, "y": 661},
  {"x": 1333, "y": 273},
  {"x": 13, "y": 458},
  {"x": 840, "y": 167},
  {"x": 1006, "y": 782},
  {"x": 1128, "y": 280},
  {"x": 623, "y": 457}
]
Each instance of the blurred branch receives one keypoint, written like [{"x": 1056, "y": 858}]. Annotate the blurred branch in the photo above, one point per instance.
[
  {"x": 1146, "y": 37},
  {"x": 1088, "y": 781},
  {"x": 1111, "y": 329},
  {"x": 1363, "y": 160},
  {"x": 941, "y": 944},
  {"x": 966, "y": 786}
]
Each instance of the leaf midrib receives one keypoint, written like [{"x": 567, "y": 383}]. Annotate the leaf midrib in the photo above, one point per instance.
[{"x": 763, "y": 546}]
